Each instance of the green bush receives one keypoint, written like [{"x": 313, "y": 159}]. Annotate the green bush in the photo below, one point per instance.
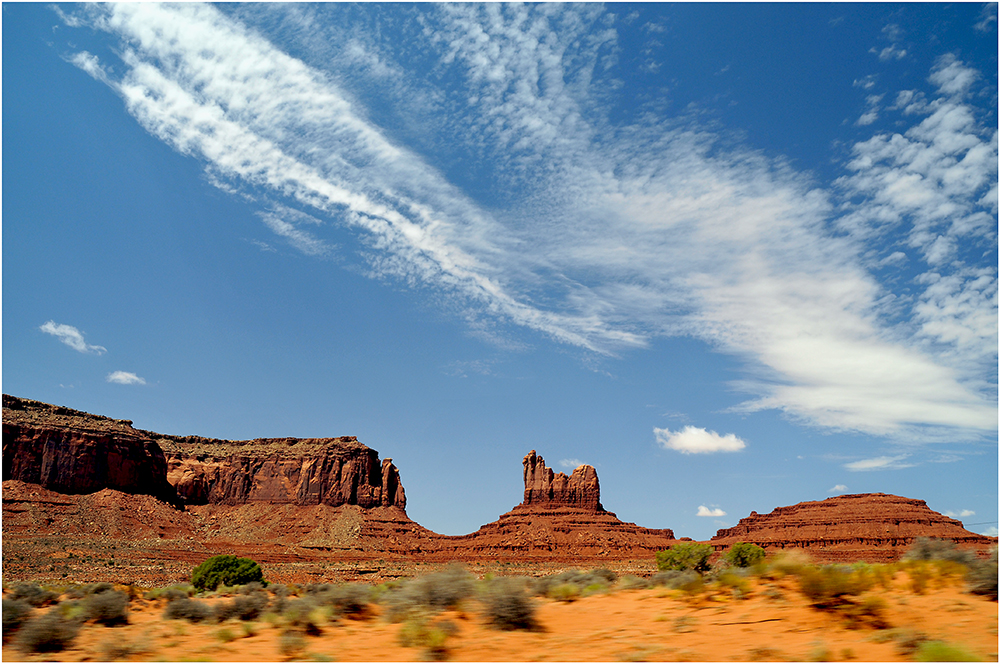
[
  {"x": 684, "y": 556},
  {"x": 244, "y": 607},
  {"x": 939, "y": 651},
  {"x": 225, "y": 570},
  {"x": 743, "y": 554}
]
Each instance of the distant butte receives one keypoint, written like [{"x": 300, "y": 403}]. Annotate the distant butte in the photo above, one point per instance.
[
  {"x": 80, "y": 487},
  {"x": 868, "y": 526}
]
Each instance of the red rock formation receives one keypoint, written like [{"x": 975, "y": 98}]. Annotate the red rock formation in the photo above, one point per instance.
[
  {"x": 73, "y": 452},
  {"x": 869, "y": 526},
  {"x": 314, "y": 471},
  {"x": 542, "y": 487},
  {"x": 561, "y": 518}
]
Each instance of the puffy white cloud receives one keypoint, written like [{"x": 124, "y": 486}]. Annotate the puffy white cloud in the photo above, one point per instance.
[
  {"x": 694, "y": 440},
  {"x": 705, "y": 511},
  {"x": 959, "y": 515},
  {"x": 839, "y": 488},
  {"x": 72, "y": 337},
  {"x": 125, "y": 378},
  {"x": 880, "y": 463},
  {"x": 991, "y": 531}
]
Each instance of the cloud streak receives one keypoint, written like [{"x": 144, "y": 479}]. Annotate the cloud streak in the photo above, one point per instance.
[
  {"x": 72, "y": 337},
  {"x": 125, "y": 378},
  {"x": 606, "y": 235}
]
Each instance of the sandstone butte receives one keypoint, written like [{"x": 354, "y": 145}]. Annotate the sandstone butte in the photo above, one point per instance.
[{"x": 95, "y": 490}]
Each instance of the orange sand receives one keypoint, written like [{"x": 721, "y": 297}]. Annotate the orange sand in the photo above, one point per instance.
[{"x": 774, "y": 623}]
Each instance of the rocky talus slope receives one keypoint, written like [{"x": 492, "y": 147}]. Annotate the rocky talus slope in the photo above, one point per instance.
[{"x": 867, "y": 526}]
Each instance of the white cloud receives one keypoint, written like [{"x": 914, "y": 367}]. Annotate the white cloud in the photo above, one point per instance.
[
  {"x": 839, "y": 488},
  {"x": 72, "y": 337},
  {"x": 987, "y": 18},
  {"x": 606, "y": 236},
  {"x": 125, "y": 378},
  {"x": 570, "y": 464},
  {"x": 991, "y": 531},
  {"x": 283, "y": 221},
  {"x": 959, "y": 515},
  {"x": 694, "y": 440},
  {"x": 880, "y": 463},
  {"x": 704, "y": 511}
]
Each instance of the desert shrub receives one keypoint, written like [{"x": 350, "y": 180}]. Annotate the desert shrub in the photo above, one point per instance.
[
  {"x": 869, "y": 612},
  {"x": 919, "y": 574},
  {"x": 251, "y": 588},
  {"x": 982, "y": 577},
  {"x": 436, "y": 592},
  {"x": 118, "y": 650},
  {"x": 225, "y": 570},
  {"x": 32, "y": 593},
  {"x": 564, "y": 592},
  {"x": 939, "y": 651},
  {"x": 507, "y": 606},
  {"x": 930, "y": 548},
  {"x": 433, "y": 638},
  {"x": 50, "y": 632},
  {"x": 305, "y": 614},
  {"x": 630, "y": 582},
  {"x": 908, "y": 641},
  {"x": 687, "y": 580},
  {"x": 587, "y": 582},
  {"x": 827, "y": 586},
  {"x": 108, "y": 608},
  {"x": 188, "y": 609},
  {"x": 170, "y": 593},
  {"x": 79, "y": 592},
  {"x": 350, "y": 599},
  {"x": 743, "y": 554},
  {"x": 243, "y": 607},
  {"x": 291, "y": 644},
  {"x": 684, "y": 556},
  {"x": 736, "y": 583},
  {"x": 15, "y": 613},
  {"x": 784, "y": 563}
]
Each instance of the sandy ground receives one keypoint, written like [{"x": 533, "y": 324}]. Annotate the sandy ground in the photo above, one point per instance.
[{"x": 773, "y": 623}]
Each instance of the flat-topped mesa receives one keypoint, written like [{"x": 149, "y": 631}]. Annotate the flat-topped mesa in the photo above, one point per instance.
[
  {"x": 309, "y": 471},
  {"x": 72, "y": 452},
  {"x": 868, "y": 526},
  {"x": 544, "y": 488}
]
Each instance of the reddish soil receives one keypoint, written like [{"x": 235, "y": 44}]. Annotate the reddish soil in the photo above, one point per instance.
[{"x": 773, "y": 623}]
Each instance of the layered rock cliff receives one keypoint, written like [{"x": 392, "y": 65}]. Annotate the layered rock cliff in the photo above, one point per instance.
[
  {"x": 313, "y": 471},
  {"x": 867, "y": 526},
  {"x": 72, "y": 452}
]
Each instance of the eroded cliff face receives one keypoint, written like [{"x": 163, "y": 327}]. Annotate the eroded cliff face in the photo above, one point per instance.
[
  {"x": 542, "y": 487},
  {"x": 868, "y": 526},
  {"x": 319, "y": 471},
  {"x": 72, "y": 452}
]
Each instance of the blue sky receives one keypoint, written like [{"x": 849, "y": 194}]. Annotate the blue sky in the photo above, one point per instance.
[{"x": 734, "y": 256}]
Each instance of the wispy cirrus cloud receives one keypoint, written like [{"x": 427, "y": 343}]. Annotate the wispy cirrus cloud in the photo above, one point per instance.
[
  {"x": 880, "y": 463},
  {"x": 601, "y": 235},
  {"x": 72, "y": 337}
]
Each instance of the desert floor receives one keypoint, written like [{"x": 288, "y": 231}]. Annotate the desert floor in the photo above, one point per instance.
[{"x": 774, "y": 622}]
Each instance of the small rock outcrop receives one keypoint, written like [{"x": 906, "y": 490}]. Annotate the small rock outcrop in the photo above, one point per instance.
[
  {"x": 543, "y": 488},
  {"x": 868, "y": 526},
  {"x": 73, "y": 452}
]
